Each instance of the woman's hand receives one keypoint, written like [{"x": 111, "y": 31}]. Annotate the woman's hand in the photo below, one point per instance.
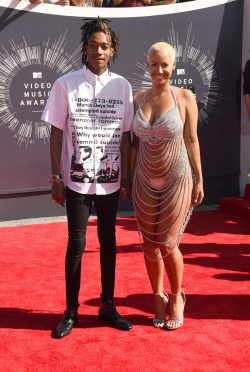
[{"x": 198, "y": 193}]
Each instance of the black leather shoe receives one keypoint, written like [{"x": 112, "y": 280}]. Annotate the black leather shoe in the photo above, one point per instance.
[
  {"x": 108, "y": 312},
  {"x": 65, "y": 326}
]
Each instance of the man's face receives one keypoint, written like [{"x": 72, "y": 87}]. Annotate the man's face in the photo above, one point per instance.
[{"x": 99, "y": 50}]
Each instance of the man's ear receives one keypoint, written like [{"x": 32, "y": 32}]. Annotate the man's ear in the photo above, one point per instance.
[
  {"x": 111, "y": 51},
  {"x": 147, "y": 64}
]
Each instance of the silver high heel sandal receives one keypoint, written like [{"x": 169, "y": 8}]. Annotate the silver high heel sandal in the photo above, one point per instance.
[
  {"x": 160, "y": 323},
  {"x": 180, "y": 322}
]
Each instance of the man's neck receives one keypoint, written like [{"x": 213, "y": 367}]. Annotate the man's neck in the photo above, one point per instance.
[{"x": 96, "y": 71}]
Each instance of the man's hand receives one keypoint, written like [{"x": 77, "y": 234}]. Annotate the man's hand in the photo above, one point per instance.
[
  {"x": 58, "y": 188},
  {"x": 126, "y": 187},
  {"x": 126, "y": 156},
  {"x": 58, "y": 193}
]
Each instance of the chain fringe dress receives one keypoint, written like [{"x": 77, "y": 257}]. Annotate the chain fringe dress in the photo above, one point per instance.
[{"x": 163, "y": 179}]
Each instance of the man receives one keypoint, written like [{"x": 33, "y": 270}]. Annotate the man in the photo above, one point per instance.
[
  {"x": 91, "y": 109},
  {"x": 246, "y": 87}
]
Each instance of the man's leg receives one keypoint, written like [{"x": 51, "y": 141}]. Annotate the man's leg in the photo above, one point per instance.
[
  {"x": 78, "y": 211},
  {"x": 106, "y": 208}
]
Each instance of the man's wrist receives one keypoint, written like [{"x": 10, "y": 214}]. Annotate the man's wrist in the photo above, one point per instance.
[
  {"x": 56, "y": 178},
  {"x": 126, "y": 178}
]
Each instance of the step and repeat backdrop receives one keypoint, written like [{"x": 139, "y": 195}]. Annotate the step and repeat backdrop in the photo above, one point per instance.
[{"x": 39, "y": 43}]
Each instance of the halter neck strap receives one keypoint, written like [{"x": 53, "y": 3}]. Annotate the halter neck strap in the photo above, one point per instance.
[
  {"x": 145, "y": 95},
  {"x": 173, "y": 95},
  {"x": 143, "y": 98}
]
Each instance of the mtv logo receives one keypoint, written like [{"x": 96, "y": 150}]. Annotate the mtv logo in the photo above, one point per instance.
[
  {"x": 37, "y": 75},
  {"x": 180, "y": 71}
]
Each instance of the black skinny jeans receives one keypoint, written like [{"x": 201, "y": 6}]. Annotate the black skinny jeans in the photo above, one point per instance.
[{"x": 78, "y": 210}]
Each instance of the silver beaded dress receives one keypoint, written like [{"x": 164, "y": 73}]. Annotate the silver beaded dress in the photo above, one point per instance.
[{"x": 163, "y": 180}]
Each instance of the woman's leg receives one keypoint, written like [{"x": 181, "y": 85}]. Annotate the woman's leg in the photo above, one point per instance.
[
  {"x": 143, "y": 208},
  {"x": 155, "y": 273},
  {"x": 174, "y": 268},
  {"x": 172, "y": 219}
]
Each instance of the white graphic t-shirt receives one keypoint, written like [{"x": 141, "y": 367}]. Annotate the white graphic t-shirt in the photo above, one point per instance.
[{"x": 93, "y": 111}]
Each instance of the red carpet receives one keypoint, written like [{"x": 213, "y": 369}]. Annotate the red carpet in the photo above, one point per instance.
[
  {"x": 238, "y": 205},
  {"x": 215, "y": 335}
]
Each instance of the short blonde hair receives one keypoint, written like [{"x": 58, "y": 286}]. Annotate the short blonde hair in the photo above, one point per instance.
[{"x": 159, "y": 46}]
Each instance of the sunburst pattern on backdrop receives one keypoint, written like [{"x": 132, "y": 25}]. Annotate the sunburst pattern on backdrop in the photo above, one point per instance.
[
  {"x": 50, "y": 56},
  {"x": 198, "y": 65}
]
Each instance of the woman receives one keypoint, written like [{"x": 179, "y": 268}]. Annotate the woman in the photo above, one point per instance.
[{"x": 167, "y": 182}]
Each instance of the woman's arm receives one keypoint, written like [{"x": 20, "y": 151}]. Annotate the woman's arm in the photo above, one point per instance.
[{"x": 192, "y": 143}]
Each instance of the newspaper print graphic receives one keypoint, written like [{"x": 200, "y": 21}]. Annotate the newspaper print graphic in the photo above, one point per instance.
[{"x": 96, "y": 143}]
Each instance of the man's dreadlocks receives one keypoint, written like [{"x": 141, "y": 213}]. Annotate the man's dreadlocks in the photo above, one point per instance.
[{"x": 93, "y": 25}]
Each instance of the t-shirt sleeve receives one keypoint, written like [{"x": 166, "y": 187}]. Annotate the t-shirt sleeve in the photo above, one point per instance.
[
  {"x": 246, "y": 76},
  {"x": 56, "y": 109},
  {"x": 129, "y": 109}
]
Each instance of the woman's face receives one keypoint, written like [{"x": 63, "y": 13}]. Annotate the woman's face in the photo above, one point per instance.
[
  {"x": 160, "y": 65},
  {"x": 99, "y": 50}
]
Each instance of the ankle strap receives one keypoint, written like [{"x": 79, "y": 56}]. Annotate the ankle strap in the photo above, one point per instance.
[
  {"x": 176, "y": 294},
  {"x": 157, "y": 294}
]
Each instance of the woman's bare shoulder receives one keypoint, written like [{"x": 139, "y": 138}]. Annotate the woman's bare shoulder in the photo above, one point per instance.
[
  {"x": 183, "y": 94},
  {"x": 138, "y": 98}
]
